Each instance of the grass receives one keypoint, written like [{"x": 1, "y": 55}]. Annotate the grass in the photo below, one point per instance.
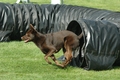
[
  {"x": 24, "y": 61},
  {"x": 20, "y": 61}
]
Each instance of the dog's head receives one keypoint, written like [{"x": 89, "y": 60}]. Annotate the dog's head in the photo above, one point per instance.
[{"x": 30, "y": 34}]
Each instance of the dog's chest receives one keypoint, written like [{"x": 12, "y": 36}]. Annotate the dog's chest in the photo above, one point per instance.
[{"x": 44, "y": 48}]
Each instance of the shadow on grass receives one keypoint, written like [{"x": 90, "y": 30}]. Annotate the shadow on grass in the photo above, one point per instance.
[{"x": 116, "y": 67}]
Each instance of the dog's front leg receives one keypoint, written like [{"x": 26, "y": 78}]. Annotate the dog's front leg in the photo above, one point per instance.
[
  {"x": 46, "y": 59},
  {"x": 48, "y": 55},
  {"x": 55, "y": 60}
]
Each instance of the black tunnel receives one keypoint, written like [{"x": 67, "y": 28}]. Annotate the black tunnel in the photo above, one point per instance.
[{"x": 100, "y": 45}]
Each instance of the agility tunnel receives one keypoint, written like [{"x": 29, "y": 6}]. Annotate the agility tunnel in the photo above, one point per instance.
[{"x": 100, "y": 45}]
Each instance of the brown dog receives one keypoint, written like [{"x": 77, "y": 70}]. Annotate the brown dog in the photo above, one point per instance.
[{"x": 51, "y": 43}]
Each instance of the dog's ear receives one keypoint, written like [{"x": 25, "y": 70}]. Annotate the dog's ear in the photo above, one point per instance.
[{"x": 32, "y": 28}]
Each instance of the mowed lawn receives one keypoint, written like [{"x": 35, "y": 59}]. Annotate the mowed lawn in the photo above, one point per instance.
[{"x": 24, "y": 61}]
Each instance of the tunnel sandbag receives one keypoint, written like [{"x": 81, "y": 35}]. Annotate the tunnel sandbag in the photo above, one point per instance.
[{"x": 100, "y": 45}]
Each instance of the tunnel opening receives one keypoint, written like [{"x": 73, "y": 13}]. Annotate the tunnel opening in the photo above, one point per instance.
[{"x": 75, "y": 27}]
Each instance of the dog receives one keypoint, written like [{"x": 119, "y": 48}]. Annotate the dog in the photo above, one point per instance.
[{"x": 52, "y": 43}]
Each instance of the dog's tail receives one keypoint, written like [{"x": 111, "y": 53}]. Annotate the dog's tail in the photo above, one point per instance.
[{"x": 80, "y": 36}]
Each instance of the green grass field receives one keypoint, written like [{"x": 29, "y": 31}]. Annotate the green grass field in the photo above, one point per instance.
[{"x": 24, "y": 61}]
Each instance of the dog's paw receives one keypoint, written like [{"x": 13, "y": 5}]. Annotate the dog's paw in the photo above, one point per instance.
[{"x": 49, "y": 63}]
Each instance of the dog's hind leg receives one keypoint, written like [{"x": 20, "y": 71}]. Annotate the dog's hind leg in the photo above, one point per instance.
[
  {"x": 68, "y": 52},
  {"x": 68, "y": 56}
]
